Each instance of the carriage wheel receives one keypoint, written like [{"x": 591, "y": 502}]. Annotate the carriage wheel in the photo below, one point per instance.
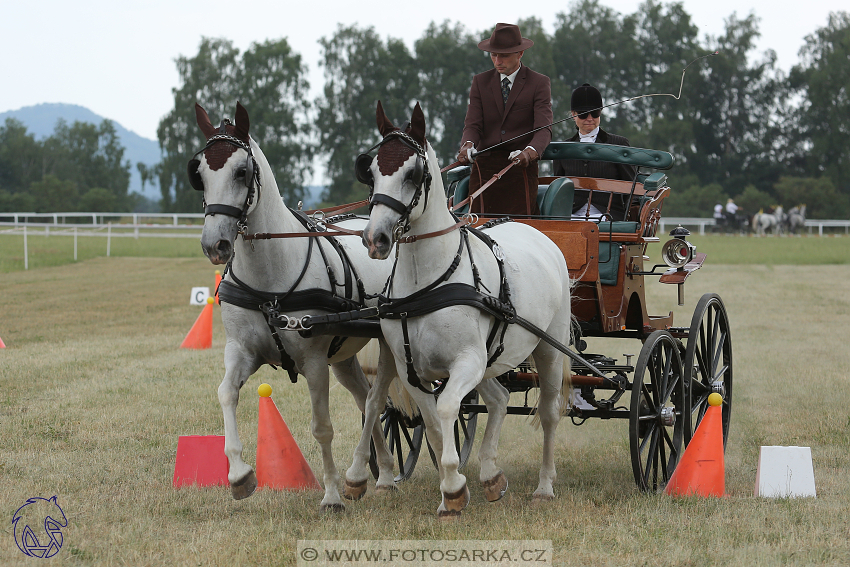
[
  {"x": 464, "y": 432},
  {"x": 709, "y": 357},
  {"x": 404, "y": 439},
  {"x": 656, "y": 420}
]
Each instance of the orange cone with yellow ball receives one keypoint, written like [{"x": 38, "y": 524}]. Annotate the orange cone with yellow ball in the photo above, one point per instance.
[
  {"x": 280, "y": 463},
  {"x": 200, "y": 335},
  {"x": 701, "y": 470},
  {"x": 2, "y": 344}
]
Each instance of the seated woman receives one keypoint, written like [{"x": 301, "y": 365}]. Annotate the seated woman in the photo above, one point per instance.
[{"x": 586, "y": 105}]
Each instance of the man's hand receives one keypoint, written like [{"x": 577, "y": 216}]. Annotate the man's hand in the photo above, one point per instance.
[
  {"x": 525, "y": 157},
  {"x": 466, "y": 155}
]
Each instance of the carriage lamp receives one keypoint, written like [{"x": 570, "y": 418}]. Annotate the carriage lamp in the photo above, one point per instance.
[{"x": 677, "y": 252}]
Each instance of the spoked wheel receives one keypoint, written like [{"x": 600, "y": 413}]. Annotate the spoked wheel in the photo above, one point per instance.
[
  {"x": 708, "y": 357},
  {"x": 657, "y": 416},
  {"x": 404, "y": 439},
  {"x": 464, "y": 434}
]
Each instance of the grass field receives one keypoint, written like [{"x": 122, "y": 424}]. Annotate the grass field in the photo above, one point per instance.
[{"x": 95, "y": 393}]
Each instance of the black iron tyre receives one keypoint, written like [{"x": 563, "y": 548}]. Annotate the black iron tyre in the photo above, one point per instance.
[
  {"x": 464, "y": 433},
  {"x": 708, "y": 356},
  {"x": 404, "y": 439},
  {"x": 656, "y": 419}
]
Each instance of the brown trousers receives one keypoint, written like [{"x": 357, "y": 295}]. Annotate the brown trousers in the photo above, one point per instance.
[{"x": 514, "y": 194}]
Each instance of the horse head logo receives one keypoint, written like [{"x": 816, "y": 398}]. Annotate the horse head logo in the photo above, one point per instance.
[{"x": 37, "y": 525}]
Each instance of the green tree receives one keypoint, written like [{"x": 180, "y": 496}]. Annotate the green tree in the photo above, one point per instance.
[
  {"x": 752, "y": 200},
  {"x": 89, "y": 156},
  {"x": 694, "y": 201},
  {"x": 54, "y": 195},
  {"x": 268, "y": 79},
  {"x": 823, "y": 79},
  {"x": 20, "y": 157},
  {"x": 820, "y": 196},
  {"x": 448, "y": 57},
  {"x": 360, "y": 70}
]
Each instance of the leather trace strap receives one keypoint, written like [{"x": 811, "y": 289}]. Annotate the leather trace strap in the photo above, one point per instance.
[
  {"x": 411, "y": 238},
  {"x": 496, "y": 177}
]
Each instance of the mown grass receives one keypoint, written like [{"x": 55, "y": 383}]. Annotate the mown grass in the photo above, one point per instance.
[
  {"x": 58, "y": 249},
  {"x": 95, "y": 393}
]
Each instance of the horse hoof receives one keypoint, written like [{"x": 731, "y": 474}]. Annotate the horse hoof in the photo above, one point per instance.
[
  {"x": 337, "y": 508},
  {"x": 456, "y": 501},
  {"x": 496, "y": 487},
  {"x": 448, "y": 515},
  {"x": 244, "y": 487},
  {"x": 353, "y": 490},
  {"x": 542, "y": 498},
  {"x": 386, "y": 489}
]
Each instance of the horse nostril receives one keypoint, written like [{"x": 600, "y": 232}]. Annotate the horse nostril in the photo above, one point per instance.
[
  {"x": 224, "y": 248},
  {"x": 382, "y": 242}
]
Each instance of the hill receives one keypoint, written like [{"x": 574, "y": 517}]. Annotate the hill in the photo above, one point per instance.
[{"x": 41, "y": 119}]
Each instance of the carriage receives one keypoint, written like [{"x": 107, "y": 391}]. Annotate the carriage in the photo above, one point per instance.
[
  {"x": 570, "y": 278},
  {"x": 676, "y": 368}
]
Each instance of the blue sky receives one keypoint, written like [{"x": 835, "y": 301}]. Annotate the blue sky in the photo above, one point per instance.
[{"x": 117, "y": 58}]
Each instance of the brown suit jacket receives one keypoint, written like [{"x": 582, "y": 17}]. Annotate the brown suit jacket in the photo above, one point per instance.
[{"x": 490, "y": 121}]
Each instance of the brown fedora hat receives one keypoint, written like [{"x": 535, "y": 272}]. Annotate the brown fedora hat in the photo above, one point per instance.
[{"x": 506, "y": 38}]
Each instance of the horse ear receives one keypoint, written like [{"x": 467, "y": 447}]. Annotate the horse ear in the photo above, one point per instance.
[
  {"x": 243, "y": 123},
  {"x": 203, "y": 120},
  {"x": 384, "y": 124},
  {"x": 417, "y": 125}
]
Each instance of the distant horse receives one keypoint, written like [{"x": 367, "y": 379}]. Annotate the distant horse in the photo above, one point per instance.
[
  {"x": 796, "y": 219},
  {"x": 762, "y": 222},
  {"x": 432, "y": 315},
  {"x": 309, "y": 275}
]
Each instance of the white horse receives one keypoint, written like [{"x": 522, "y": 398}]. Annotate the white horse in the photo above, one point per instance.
[
  {"x": 762, "y": 222},
  {"x": 458, "y": 344},
  {"x": 796, "y": 218},
  {"x": 240, "y": 195}
]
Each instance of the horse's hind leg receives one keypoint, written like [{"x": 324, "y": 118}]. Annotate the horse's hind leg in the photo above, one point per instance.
[
  {"x": 549, "y": 363},
  {"x": 496, "y": 398},
  {"x": 241, "y": 476}
]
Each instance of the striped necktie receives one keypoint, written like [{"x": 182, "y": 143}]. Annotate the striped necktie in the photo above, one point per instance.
[{"x": 506, "y": 89}]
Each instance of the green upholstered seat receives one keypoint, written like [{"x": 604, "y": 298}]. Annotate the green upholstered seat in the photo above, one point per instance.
[
  {"x": 459, "y": 178},
  {"x": 617, "y": 226},
  {"x": 556, "y": 199},
  {"x": 609, "y": 261},
  {"x": 627, "y": 155},
  {"x": 655, "y": 181}
]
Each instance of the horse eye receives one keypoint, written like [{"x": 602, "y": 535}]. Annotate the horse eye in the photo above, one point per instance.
[{"x": 240, "y": 173}]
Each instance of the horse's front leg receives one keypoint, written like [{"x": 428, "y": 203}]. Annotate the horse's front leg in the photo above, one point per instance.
[
  {"x": 464, "y": 375},
  {"x": 238, "y": 368},
  {"x": 496, "y": 398},
  {"x": 318, "y": 381}
]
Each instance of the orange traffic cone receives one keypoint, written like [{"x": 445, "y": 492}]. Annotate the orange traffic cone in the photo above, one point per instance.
[
  {"x": 217, "y": 282},
  {"x": 701, "y": 471},
  {"x": 200, "y": 460},
  {"x": 200, "y": 335},
  {"x": 2, "y": 344},
  {"x": 280, "y": 463}
]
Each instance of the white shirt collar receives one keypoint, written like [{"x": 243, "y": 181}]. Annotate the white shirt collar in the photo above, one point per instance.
[
  {"x": 510, "y": 77},
  {"x": 589, "y": 137}
]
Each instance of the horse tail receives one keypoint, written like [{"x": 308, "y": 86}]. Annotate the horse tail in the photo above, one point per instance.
[
  {"x": 368, "y": 357},
  {"x": 401, "y": 400}
]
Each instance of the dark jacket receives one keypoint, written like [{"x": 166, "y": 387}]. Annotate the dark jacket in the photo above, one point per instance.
[{"x": 490, "y": 121}]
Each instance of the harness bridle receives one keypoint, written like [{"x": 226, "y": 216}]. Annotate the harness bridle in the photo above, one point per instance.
[
  {"x": 252, "y": 178},
  {"x": 421, "y": 178}
]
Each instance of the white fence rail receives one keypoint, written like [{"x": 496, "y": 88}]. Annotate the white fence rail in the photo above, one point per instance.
[{"x": 811, "y": 224}]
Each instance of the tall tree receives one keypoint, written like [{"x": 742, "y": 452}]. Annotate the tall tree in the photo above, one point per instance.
[
  {"x": 448, "y": 57},
  {"x": 20, "y": 157},
  {"x": 360, "y": 69},
  {"x": 823, "y": 79},
  {"x": 89, "y": 156},
  {"x": 268, "y": 79}
]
